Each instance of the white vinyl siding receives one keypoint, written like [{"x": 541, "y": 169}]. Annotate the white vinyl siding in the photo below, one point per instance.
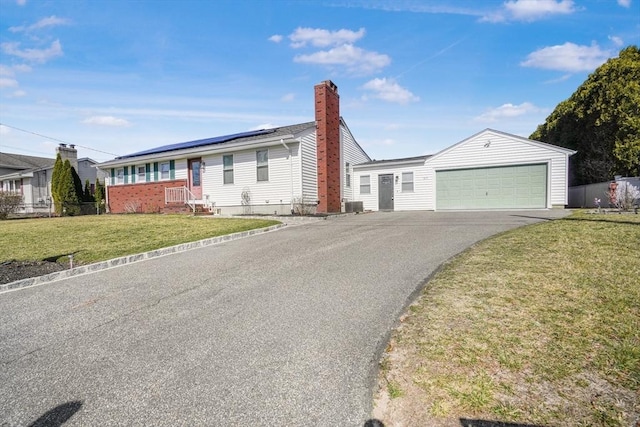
[
  {"x": 352, "y": 154},
  {"x": 309, "y": 167},
  {"x": 275, "y": 191},
  {"x": 402, "y": 200}
]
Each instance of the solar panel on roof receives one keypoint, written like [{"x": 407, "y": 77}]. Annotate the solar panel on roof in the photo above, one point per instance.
[{"x": 198, "y": 143}]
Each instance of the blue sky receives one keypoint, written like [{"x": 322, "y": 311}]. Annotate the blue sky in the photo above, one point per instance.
[{"x": 414, "y": 76}]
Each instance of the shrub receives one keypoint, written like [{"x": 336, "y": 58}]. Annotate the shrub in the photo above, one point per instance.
[
  {"x": 9, "y": 203},
  {"x": 627, "y": 196}
]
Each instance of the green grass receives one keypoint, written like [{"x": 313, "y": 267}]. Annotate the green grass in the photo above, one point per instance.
[
  {"x": 97, "y": 238},
  {"x": 538, "y": 325}
]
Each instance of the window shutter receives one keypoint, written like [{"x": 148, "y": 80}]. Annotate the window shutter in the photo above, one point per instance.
[
  {"x": 172, "y": 169},
  {"x": 147, "y": 169},
  {"x": 133, "y": 174},
  {"x": 113, "y": 176},
  {"x": 126, "y": 175},
  {"x": 155, "y": 171}
]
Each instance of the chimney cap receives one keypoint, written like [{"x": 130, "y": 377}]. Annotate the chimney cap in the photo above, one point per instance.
[
  {"x": 72, "y": 145},
  {"x": 63, "y": 145}
]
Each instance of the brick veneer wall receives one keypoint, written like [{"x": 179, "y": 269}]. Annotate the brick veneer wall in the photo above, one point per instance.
[
  {"x": 146, "y": 197},
  {"x": 327, "y": 112}
]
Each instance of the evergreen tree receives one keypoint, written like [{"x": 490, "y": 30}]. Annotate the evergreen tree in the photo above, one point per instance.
[
  {"x": 55, "y": 184},
  {"x": 68, "y": 194},
  {"x": 601, "y": 121},
  {"x": 87, "y": 196},
  {"x": 99, "y": 196}
]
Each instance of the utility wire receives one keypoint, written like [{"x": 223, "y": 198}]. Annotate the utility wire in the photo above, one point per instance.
[{"x": 58, "y": 140}]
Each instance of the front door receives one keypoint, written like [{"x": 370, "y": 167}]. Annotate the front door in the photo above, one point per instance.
[
  {"x": 385, "y": 192},
  {"x": 195, "y": 177}
]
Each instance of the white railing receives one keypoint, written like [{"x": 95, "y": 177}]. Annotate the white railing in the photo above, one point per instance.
[{"x": 180, "y": 195}]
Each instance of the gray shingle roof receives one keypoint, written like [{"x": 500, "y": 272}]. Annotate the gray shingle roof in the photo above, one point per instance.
[
  {"x": 22, "y": 162},
  {"x": 402, "y": 160}
]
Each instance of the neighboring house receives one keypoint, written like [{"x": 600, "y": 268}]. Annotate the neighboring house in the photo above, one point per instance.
[
  {"x": 489, "y": 170},
  {"x": 262, "y": 171},
  {"x": 30, "y": 176},
  {"x": 270, "y": 170}
]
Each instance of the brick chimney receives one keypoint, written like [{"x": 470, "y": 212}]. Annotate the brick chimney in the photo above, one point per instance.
[
  {"x": 327, "y": 109},
  {"x": 68, "y": 152}
]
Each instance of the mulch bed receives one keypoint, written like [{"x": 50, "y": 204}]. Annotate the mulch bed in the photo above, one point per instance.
[{"x": 10, "y": 271}]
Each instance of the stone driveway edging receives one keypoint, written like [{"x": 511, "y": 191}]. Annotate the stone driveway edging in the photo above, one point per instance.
[{"x": 115, "y": 262}]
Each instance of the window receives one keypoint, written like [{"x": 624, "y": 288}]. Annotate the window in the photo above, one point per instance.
[
  {"x": 407, "y": 182},
  {"x": 262, "y": 161},
  {"x": 365, "y": 184},
  {"x": 165, "y": 170},
  {"x": 347, "y": 174},
  {"x": 142, "y": 173},
  {"x": 227, "y": 169},
  {"x": 120, "y": 176}
]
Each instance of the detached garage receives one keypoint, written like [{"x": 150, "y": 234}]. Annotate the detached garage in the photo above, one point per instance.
[{"x": 489, "y": 170}]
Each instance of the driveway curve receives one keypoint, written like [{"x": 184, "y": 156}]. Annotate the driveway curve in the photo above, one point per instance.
[{"x": 283, "y": 328}]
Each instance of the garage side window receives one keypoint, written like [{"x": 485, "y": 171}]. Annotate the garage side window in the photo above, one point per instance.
[
  {"x": 407, "y": 182},
  {"x": 365, "y": 184}
]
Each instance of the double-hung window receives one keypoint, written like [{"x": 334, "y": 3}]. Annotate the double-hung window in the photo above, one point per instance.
[
  {"x": 365, "y": 184},
  {"x": 165, "y": 170},
  {"x": 262, "y": 161},
  {"x": 142, "y": 173},
  {"x": 227, "y": 169},
  {"x": 347, "y": 174},
  {"x": 407, "y": 182},
  {"x": 120, "y": 176}
]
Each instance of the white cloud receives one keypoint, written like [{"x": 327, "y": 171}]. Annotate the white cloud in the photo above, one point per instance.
[
  {"x": 21, "y": 2},
  {"x": 18, "y": 94},
  {"x": 288, "y": 97},
  {"x": 357, "y": 60},
  {"x": 109, "y": 121},
  {"x": 263, "y": 126},
  {"x": 33, "y": 55},
  {"x": 616, "y": 40},
  {"x": 6, "y": 82},
  {"x": 390, "y": 91},
  {"x": 624, "y": 3},
  {"x": 530, "y": 10},
  {"x": 567, "y": 57},
  {"x": 276, "y": 38},
  {"x": 4, "y": 130},
  {"x": 323, "y": 38},
  {"x": 506, "y": 111},
  {"x": 51, "y": 21}
]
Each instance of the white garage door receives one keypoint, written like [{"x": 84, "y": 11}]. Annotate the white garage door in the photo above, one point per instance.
[{"x": 506, "y": 187}]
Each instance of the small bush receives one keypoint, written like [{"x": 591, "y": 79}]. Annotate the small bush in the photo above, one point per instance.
[
  {"x": 9, "y": 203},
  {"x": 627, "y": 196}
]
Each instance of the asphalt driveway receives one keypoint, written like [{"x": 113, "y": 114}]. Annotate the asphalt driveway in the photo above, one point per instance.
[{"x": 283, "y": 328}]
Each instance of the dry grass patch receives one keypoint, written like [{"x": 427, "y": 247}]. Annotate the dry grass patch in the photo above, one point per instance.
[
  {"x": 97, "y": 238},
  {"x": 539, "y": 325}
]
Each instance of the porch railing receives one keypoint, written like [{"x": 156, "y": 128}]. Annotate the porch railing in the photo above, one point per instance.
[{"x": 180, "y": 195}]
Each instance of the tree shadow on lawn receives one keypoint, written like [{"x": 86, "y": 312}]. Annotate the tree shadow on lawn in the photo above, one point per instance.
[{"x": 602, "y": 220}]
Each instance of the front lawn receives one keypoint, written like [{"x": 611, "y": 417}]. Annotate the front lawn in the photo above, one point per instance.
[
  {"x": 98, "y": 238},
  {"x": 539, "y": 325}
]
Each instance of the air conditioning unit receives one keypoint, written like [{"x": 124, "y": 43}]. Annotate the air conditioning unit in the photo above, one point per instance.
[{"x": 350, "y": 207}]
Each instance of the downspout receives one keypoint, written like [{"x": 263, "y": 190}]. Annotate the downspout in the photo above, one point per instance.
[{"x": 290, "y": 173}]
